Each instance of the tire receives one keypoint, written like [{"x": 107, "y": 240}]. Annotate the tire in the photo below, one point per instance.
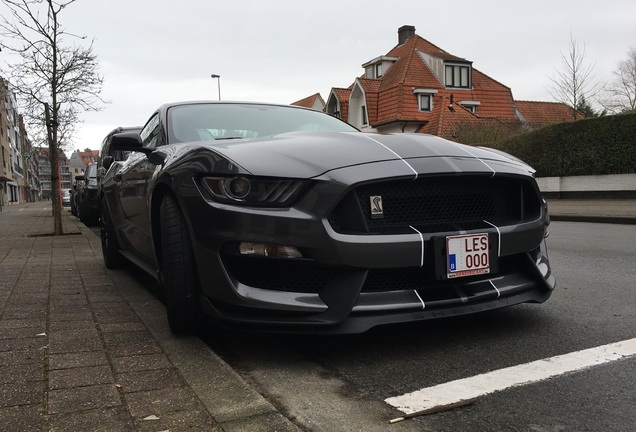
[
  {"x": 86, "y": 216},
  {"x": 83, "y": 212},
  {"x": 110, "y": 247},
  {"x": 179, "y": 279}
]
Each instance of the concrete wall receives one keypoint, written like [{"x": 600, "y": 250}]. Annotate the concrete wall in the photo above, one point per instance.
[{"x": 608, "y": 186}]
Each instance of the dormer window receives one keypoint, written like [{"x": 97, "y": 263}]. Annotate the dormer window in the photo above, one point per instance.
[
  {"x": 424, "y": 99},
  {"x": 470, "y": 105},
  {"x": 375, "y": 68},
  {"x": 457, "y": 75},
  {"x": 425, "y": 103}
]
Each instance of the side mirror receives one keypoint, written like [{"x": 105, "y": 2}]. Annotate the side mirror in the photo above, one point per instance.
[
  {"x": 107, "y": 161},
  {"x": 130, "y": 141}
]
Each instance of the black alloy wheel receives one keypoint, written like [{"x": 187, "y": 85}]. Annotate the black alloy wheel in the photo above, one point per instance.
[{"x": 179, "y": 280}]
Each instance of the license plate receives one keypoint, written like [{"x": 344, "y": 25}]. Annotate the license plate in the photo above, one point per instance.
[{"x": 467, "y": 255}]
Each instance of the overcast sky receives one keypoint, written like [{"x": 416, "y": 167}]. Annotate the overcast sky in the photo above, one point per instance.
[{"x": 156, "y": 51}]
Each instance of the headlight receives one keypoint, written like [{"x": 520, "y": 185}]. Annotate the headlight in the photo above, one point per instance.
[{"x": 258, "y": 191}]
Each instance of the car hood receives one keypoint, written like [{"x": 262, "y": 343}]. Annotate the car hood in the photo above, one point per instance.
[{"x": 311, "y": 154}]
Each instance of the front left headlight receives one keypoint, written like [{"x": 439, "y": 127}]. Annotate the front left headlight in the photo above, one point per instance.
[{"x": 256, "y": 191}]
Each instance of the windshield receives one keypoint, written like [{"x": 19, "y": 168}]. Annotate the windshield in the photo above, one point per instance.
[{"x": 198, "y": 122}]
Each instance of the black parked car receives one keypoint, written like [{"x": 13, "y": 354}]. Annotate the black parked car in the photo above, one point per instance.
[
  {"x": 73, "y": 192},
  {"x": 109, "y": 156},
  {"x": 87, "y": 202},
  {"x": 278, "y": 217}
]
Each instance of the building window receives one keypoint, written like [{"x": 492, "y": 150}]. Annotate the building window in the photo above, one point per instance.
[
  {"x": 363, "y": 111},
  {"x": 425, "y": 102},
  {"x": 470, "y": 105},
  {"x": 378, "y": 70},
  {"x": 458, "y": 76},
  {"x": 424, "y": 99}
]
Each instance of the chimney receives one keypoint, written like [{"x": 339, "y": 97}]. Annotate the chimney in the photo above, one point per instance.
[{"x": 404, "y": 33}]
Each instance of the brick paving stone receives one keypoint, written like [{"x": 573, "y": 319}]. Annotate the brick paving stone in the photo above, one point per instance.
[
  {"x": 76, "y": 315},
  {"x": 102, "y": 420},
  {"x": 149, "y": 380},
  {"x": 113, "y": 313},
  {"x": 34, "y": 313},
  {"x": 77, "y": 359},
  {"x": 21, "y": 372},
  {"x": 80, "y": 376},
  {"x": 135, "y": 348},
  {"x": 98, "y": 298},
  {"x": 140, "y": 362},
  {"x": 26, "y": 393},
  {"x": 131, "y": 343},
  {"x": 83, "y": 398},
  {"x": 116, "y": 338},
  {"x": 23, "y": 344},
  {"x": 22, "y": 418},
  {"x": 75, "y": 344},
  {"x": 71, "y": 325},
  {"x": 190, "y": 420},
  {"x": 158, "y": 402},
  {"x": 20, "y": 323},
  {"x": 122, "y": 326},
  {"x": 22, "y": 332},
  {"x": 29, "y": 355}
]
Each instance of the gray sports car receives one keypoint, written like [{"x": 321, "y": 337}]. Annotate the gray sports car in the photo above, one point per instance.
[{"x": 281, "y": 218}]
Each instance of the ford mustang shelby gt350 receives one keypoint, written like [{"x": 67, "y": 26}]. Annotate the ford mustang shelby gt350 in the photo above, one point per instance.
[{"x": 284, "y": 218}]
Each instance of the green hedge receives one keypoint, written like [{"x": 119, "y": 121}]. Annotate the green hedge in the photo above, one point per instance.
[{"x": 605, "y": 145}]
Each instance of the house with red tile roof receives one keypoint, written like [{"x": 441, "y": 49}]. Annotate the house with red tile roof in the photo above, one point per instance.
[
  {"x": 315, "y": 102},
  {"x": 537, "y": 114},
  {"x": 80, "y": 159},
  {"x": 419, "y": 87}
]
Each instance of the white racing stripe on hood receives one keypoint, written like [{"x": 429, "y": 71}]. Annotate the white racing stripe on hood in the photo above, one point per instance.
[
  {"x": 401, "y": 158},
  {"x": 476, "y": 157}
]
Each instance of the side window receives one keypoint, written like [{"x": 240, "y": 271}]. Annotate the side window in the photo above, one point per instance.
[{"x": 150, "y": 133}]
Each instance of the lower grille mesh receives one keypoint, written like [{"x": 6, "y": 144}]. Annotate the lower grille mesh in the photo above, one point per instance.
[{"x": 302, "y": 277}]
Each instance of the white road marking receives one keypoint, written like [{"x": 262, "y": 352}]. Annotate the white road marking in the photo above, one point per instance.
[{"x": 503, "y": 379}]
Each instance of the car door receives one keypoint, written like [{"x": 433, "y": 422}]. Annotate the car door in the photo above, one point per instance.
[{"x": 133, "y": 197}]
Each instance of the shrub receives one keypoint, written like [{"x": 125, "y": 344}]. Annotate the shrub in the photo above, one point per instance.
[{"x": 598, "y": 146}]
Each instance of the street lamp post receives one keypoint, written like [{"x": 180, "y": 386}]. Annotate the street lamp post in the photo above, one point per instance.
[{"x": 218, "y": 77}]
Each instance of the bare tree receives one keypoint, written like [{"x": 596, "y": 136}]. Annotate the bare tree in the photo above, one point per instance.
[
  {"x": 574, "y": 82},
  {"x": 55, "y": 81},
  {"x": 621, "y": 92}
]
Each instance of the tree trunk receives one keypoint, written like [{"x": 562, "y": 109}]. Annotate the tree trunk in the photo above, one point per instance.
[{"x": 56, "y": 192}]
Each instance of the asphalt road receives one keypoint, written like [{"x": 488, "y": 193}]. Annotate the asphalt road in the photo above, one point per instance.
[{"x": 340, "y": 383}]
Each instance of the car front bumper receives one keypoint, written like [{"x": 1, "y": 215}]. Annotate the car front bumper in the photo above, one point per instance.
[{"x": 348, "y": 281}]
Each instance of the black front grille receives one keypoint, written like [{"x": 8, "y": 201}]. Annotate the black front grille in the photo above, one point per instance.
[{"x": 436, "y": 203}]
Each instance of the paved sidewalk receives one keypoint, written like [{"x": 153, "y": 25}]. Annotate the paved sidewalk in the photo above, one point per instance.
[{"x": 86, "y": 349}]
